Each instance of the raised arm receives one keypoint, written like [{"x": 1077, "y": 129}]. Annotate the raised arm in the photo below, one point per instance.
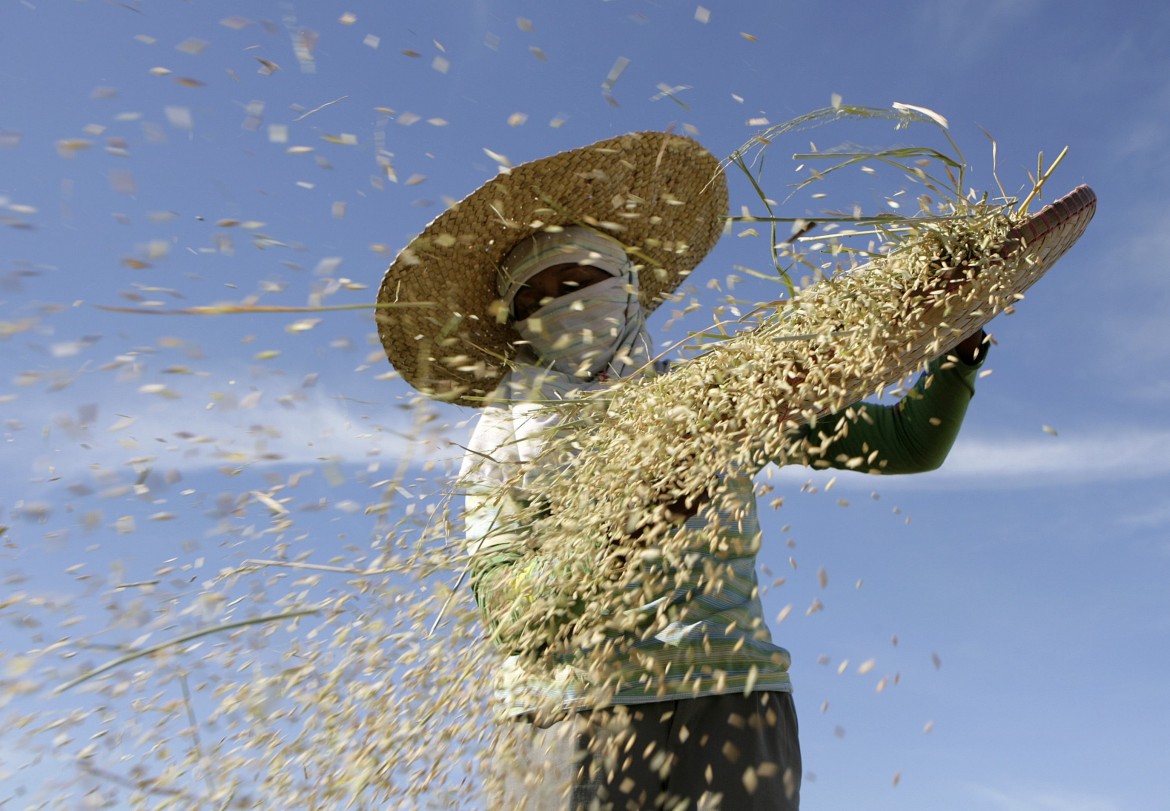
[{"x": 913, "y": 435}]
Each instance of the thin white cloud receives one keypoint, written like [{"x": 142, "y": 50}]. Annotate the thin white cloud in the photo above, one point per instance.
[
  {"x": 1062, "y": 459},
  {"x": 1157, "y": 515},
  {"x": 1023, "y": 462},
  {"x": 1043, "y": 798},
  {"x": 189, "y": 433},
  {"x": 252, "y": 428}
]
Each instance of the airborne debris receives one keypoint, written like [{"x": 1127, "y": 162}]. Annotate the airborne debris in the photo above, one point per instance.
[
  {"x": 615, "y": 73},
  {"x": 192, "y": 46},
  {"x": 364, "y": 684}
]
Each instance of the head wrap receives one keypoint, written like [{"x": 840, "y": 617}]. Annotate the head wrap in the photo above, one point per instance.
[{"x": 596, "y": 331}]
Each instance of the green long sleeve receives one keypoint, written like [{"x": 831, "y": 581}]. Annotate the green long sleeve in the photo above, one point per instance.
[
  {"x": 522, "y": 597},
  {"x": 913, "y": 435}
]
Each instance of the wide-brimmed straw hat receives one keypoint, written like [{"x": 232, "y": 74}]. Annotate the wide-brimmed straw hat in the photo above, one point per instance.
[{"x": 662, "y": 195}]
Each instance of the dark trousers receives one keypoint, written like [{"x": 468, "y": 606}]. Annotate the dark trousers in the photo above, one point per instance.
[{"x": 730, "y": 752}]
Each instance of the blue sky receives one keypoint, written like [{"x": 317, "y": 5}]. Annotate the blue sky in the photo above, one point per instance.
[{"x": 190, "y": 153}]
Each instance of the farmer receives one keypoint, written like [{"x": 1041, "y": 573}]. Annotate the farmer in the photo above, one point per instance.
[{"x": 534, "y": 290}]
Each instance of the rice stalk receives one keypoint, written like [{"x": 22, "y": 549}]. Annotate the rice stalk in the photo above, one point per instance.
[{"x": 179, "y": 640}]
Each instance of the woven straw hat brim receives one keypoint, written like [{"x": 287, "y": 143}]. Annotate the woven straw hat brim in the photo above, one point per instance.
[{"x": 662, "y": 195}]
